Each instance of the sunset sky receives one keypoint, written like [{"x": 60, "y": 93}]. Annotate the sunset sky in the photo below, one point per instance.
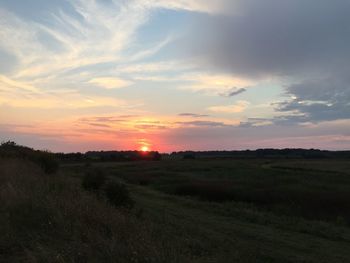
[{"x": 175, "y": 74}]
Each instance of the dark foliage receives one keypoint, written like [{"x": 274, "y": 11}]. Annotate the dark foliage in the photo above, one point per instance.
[
  {"x": 110, "y": 156},
  {"x": 189, "y": 156},
  {"x": 93, "y": 179},
  {"x": 209, "y": 191},
  {"x": 118, "y": 195},
  {"x": 265, "y": 153},
  {"x": 46, "y": 160}
]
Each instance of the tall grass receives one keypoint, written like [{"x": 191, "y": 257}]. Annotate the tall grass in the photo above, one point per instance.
[
  {"x": 51, "y": 219},
  {"x": 308, "y": 201}
]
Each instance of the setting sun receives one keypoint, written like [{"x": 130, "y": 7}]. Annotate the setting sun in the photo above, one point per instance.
[{"x": 144, "y": 149}]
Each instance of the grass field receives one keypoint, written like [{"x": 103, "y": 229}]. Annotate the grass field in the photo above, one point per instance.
[
  {"x": 243, "y": 210},
  {"x": 202, "y": 210}
]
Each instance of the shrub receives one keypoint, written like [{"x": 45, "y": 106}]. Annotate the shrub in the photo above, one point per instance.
[
  {"x": 47, "y": 162},
  {"x": 118, "y": 195},
  {"x": 94, "y": 179}
]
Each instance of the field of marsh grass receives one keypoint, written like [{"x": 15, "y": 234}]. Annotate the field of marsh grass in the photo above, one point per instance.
[{"x": 256, "y": 210}]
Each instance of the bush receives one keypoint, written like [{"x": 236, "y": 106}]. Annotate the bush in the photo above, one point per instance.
[
  {"x": 94, "y": 179},
  {"x": 118, "y": 195},
  {"x": 46, "y": 160}
]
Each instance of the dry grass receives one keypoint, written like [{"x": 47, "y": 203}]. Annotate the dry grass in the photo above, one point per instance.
[{"x": 51, "y": 219}]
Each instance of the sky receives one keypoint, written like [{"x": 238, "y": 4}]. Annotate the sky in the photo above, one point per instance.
[{"x": 175, "y": 75}]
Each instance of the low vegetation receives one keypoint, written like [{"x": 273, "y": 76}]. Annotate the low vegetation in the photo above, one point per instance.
[
  {"x": 94, "y": 179},
  {"x": 52, "y": 219},
  {"x": 118, "y": 195}
]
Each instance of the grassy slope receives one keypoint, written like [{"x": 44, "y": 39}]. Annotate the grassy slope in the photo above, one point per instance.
[{"x": 51, "y": 219}]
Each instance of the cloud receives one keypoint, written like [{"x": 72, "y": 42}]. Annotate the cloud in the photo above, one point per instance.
[
  {"x": 203, "y": 124},
  {"x": 55, "y": 59},
  {"x": 233, "y": 92},
  {"x": 255, "y": 122},
  {"x": 158, "y": 67},
  {"x": 99, "y": 125},
  {"x": 316, "y": 100},
  {"x": 327, "y": 135},
  {"x": 217, "y": 135},
  {"x": 103, "y": 120},
  {"x": 64, "y": 46},
  {"x": 82, "y": 34},
  {"x": 111, "y": 82},
  {"x": 213, "y": 84},
  {"x": 132, "y": 123},
  {"x": 302, "y": 44},
  {"x": 23, "y": 95},
  {"x": 9, "y": 62},
  {"x": 240, "y": 106},
  {"x": 151, "y": 51},
  {"x": 272, "y": 37},
  {"x": 210, "y": 7},
  {"x": 150, "y": 127},
  {"x": 59, "y": 53},
  {"x": 193, "y": 115},
  {"x": 13, "y": 85}
]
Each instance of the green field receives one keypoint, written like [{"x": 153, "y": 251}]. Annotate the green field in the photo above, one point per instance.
[{"x": 243, "y": 210}]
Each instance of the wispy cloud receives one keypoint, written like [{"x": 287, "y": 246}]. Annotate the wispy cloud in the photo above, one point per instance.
[
  {"x": 193, "y": 115},
  {"x": 240, "y": 106},
  {"x": 155, "y": 67},
  {"x": 203, "y": 124},
  {"x": 67, "y": 52},
  {"x": 110, "y": 82},
  {"x": 13, "y": 85},
  {"x": 214, "y": 84},
  {"x": 189, "y": 5},
  {"x": 143, "y": 54}
]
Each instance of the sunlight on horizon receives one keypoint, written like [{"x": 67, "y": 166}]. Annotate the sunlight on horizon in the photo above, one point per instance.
[{"x": 145, "y": 149}]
